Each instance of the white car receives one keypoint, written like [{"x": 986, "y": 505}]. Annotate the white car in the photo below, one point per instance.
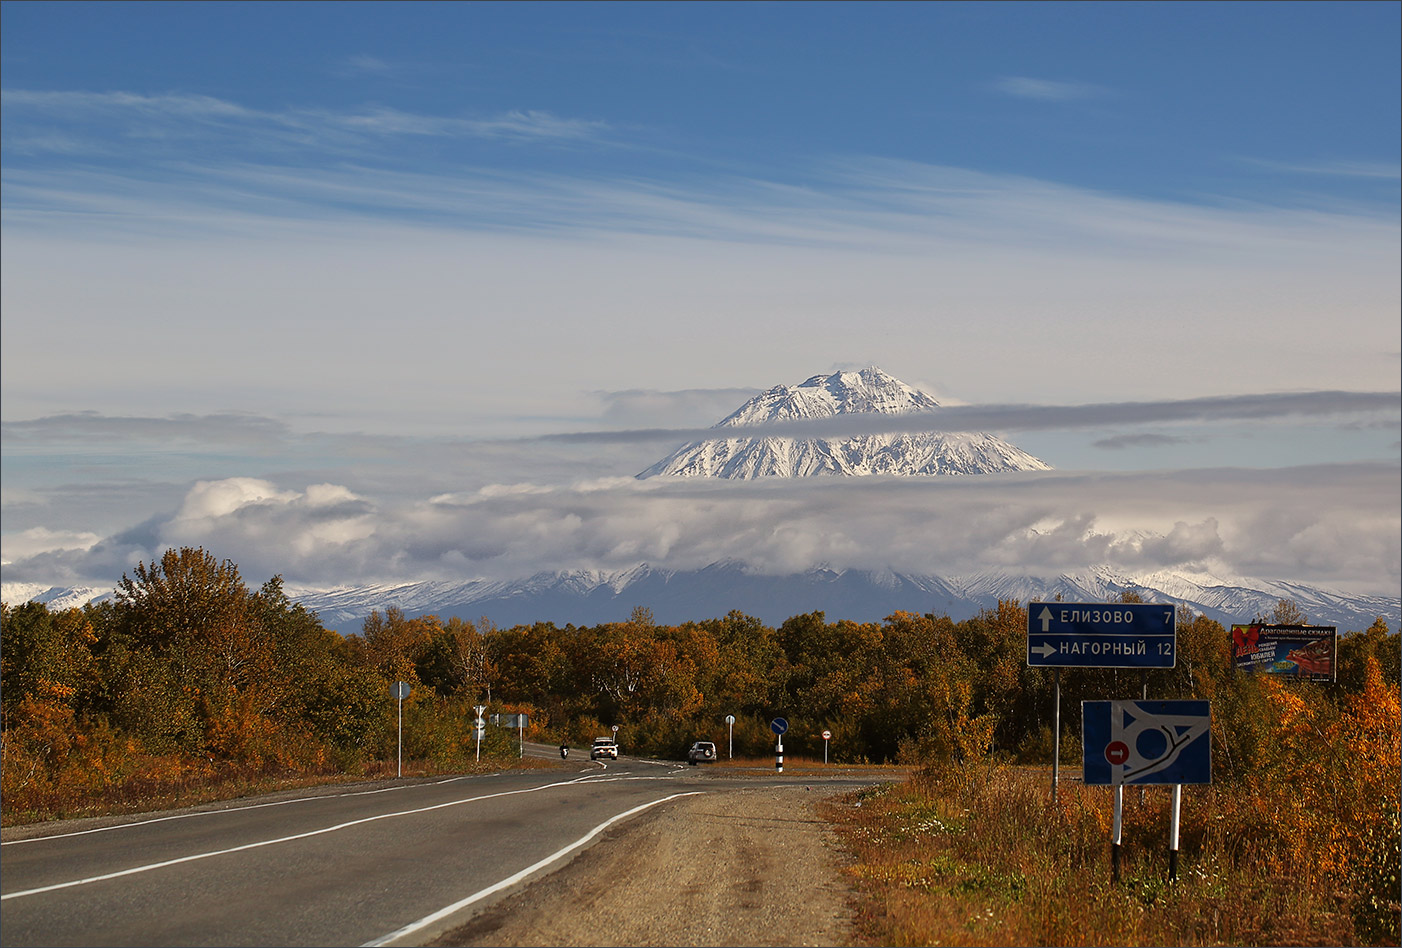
[
  {"x": 701, "y": 752},
  {"x": 603, "y": 747}
]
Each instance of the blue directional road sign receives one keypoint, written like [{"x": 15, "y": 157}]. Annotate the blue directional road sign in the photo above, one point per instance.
[
  {"x": 1146, "y": 742},
  {"x": 779, "y": 726},
  {"x": 1101, "y": 635}
]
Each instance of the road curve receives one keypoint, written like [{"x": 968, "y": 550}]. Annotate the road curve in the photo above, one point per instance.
[{"x": 394, "y": 863}]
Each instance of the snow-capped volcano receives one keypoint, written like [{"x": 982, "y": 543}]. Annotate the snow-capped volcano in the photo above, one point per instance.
[{"x": 842, "y": 393}]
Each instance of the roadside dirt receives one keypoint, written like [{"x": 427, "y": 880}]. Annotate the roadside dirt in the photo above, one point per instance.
[{"x": 746, "y": 867}]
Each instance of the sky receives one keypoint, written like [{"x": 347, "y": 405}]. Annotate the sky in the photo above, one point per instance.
[{"x": 368, "y": 292}]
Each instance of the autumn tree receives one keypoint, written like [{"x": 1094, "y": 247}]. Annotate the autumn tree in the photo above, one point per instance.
[
  {"x": 43, "y": 655},
  {"x": 453, "y": 659},
  {"x": 1285, "y": 612}
]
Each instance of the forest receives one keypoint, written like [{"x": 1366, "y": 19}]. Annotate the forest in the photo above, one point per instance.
[
  {"x": 189, "y": 685},
  {"x": 188, "y": 673}
]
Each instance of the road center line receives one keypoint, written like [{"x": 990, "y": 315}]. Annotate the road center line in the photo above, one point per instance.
[
  {"x": 232, "y": 809},
  {"x": 509, "y": 881},
  {"x": 272, "y": 842}
]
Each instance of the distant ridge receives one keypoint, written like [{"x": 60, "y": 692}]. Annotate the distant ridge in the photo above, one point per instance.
[
  {"x": 843, "y": 393},
  {"x": 589, "y": 597}
]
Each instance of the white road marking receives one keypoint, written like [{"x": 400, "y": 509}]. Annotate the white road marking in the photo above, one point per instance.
[
  {"x": 272, "y": 842},
  {"x": 232, "y": 809},
  {"x": 509, "y": 881}
]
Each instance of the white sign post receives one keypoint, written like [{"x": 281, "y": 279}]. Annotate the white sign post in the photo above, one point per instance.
[
  {"x": 730, "y": 723},
  {"x": 399, "y": 691},
  {"x": 827, "y": 735},
  {"x": 479, "y": 725}
]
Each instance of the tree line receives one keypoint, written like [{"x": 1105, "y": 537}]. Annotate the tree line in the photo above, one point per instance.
[{"x": 187, "y": 671}]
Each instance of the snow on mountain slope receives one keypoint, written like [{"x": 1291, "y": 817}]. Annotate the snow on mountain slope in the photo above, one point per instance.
[
  {"x": 589, "y": 597},
  {"x": 55, "y": 597},
  {"x": 868, "y": 391}
]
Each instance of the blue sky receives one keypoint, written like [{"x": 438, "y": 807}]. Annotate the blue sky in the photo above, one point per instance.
[{"x": 311, "y": 252}]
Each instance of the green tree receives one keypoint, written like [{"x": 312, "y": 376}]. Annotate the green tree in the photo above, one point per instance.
[{"x": 43, "y": 655}]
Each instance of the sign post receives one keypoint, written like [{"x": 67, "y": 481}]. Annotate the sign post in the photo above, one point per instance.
[
  {"x": 399, "y": 691},
  {"x": 779, "y": 726},
  {"x": 1097, "y": 635},
  {"x": 1146, "y": 743},
  {"x": 1056, "y": 729},
  {"x": 826, "y": 736},
  {"x": 479, "y": 726},
  {"x": 730, "y": 723}
]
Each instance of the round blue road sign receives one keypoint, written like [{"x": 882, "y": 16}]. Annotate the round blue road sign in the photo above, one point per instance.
[{"x": 778, "y": 725}]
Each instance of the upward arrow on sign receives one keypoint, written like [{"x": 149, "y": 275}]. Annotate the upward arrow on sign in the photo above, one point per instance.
[{"x": 1101, "y": 635}]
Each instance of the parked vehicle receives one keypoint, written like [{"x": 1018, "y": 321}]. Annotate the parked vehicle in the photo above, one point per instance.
[
  {"x": 701, "y": 752},
  {"x": 603, "y": 747}
]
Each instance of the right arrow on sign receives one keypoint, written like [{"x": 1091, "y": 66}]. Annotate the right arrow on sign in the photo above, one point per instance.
[{"x": 1043, "y": 650}]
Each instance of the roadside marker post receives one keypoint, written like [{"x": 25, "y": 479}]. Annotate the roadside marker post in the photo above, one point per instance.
[
  {"x": 779, "y": 726},
  {"x": 826, "y": 736},
  {"x": 1173, "y": 833},
  {"x": 730, "y": 723},
  {"x": 399, "y": 691}
]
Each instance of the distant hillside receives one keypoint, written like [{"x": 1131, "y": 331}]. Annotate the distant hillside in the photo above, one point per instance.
[{"x": 590, "y": 597}]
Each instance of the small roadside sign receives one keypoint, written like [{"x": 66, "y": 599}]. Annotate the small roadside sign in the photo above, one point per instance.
[
  {"x": 1146, "y": 742},
  {"x": 400, "y": 690},
  {"x": 827, "y": 735},
  {"x": 779, "y": 726}
]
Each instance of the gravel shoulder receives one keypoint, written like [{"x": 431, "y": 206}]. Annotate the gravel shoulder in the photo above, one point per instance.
[{"x": 738, "y": 867}]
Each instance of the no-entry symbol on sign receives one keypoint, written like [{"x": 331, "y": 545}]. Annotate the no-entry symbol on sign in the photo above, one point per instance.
[{"x": 1117, "y": 752}]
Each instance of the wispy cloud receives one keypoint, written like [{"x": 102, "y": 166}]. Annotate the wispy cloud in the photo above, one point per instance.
[
  {"x": 650, "y": 407},
  {"x": 1334, "y": 169},
  {"x": 868, "y": 205},
  {"x": 91, "y": 426},
  {"x": 1034, "y": 417},
  {"x": 363, "y": 63},
  {"x": 153, "y": 121},
  {"x": 1147, "y": 440},
  {"x": 221, "y": 431},
  {"x": 1047, "y": 90}
]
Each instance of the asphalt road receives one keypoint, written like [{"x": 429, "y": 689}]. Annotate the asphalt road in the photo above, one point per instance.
[{"x": 394, "y": 864}]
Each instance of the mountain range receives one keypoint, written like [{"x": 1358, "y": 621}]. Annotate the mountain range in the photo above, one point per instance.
[
  {"x": 585, "y": 597},
  {"x": 590, "y": 597}
]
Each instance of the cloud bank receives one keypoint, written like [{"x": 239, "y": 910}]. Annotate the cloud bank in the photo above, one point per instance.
[{"x": 1333, "y": 525}]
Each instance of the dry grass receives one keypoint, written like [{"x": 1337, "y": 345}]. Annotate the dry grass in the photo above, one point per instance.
[{"x": 981, "y": 856}]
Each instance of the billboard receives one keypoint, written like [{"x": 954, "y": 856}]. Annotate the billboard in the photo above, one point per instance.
[{"x": 1296, "y": 651}]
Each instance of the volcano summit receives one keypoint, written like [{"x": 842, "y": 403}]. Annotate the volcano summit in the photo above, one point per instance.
[{"x": 870, "y": 391}]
